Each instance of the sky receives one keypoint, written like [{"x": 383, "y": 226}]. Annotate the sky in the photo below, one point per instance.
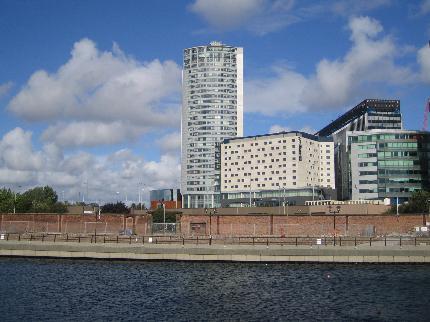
[{"x": 90, "y": 91}]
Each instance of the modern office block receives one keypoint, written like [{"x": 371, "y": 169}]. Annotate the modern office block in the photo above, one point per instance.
[
  {"x": 387, "y": 164},
  {"x": 212, "y": 110},
  {"x": 276, "y": 163},
  {"x": 368, "y": 115},
  {"x": 171, "y": 198}
]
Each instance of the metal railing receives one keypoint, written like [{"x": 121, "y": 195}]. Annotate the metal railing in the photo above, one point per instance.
[{"x": 207, "y": 240}]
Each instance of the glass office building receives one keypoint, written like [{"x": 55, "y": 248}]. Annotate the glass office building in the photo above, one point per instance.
[
  {"x": 387, "y": 164},
  {"x": 369, "y": 114},
  {"x": 212, "y": 110}
]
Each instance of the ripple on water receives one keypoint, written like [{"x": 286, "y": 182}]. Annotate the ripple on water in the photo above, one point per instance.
[{"x": 53, "y": 289}]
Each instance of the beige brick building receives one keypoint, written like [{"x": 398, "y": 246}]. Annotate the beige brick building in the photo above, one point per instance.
[{"x": 280, "y": 161}]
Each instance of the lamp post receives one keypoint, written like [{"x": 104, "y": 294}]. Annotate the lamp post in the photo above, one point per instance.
[
  {"x": 428, "y": 202},
  {"x": 95, "y": 229},
  {"x": 334, "y": 211},
  {"x": 164, "y": 217},
  {"x": 14, "y": 203},
  {"x": 211, "y": 212}
]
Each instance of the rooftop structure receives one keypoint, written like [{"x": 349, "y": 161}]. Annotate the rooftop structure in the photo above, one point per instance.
[{"x": 367, "y": 115}]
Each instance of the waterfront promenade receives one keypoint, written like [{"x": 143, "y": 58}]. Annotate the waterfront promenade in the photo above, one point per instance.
[{"x": 216, "y": 252}]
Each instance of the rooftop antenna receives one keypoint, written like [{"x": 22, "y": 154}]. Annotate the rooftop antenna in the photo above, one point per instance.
[{"x": 426, "y": 114}]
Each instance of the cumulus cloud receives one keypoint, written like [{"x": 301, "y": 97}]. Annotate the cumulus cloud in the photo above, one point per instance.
[
  {"x": 170, "y": 143},
  {"x": 120, "y": 171},
  {"x": 90, "y": 133},
  {"x": 5, "y": 88},
  {"x": 16, "y": 151},
  {"x": 370, "y": 61},
  {"x": 100, "y": 88}
]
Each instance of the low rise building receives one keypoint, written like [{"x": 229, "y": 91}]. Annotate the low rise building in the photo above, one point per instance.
[{"x": 272, "y": 166}]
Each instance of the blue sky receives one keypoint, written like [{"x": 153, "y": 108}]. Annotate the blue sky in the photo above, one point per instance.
[{"x": 90, "y": 90}]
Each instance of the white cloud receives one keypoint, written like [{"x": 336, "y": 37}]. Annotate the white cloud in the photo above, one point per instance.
[
  {"x": 170, "y": 143},
  {"x": 371, "y": 61},
  {"x": 351, "y": 7},
  {"x": 225, "y": 14},
  {"x": 90, "y": 133},
  {"x": 423, "y": 58},
  {"x": 265, "y": 16},
  {"x": 259, "y": 16},
  {"x": 5, "y": 88},
  {"x": 102, "y": 88},
  {"x": 121, "y": 171},
  {"x": 276, "y": 128},
  {"x": 425, "y": 7},
  {"x": 16, "y": 151}
]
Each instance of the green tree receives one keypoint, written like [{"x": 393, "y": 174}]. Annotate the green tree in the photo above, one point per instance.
[
  {"x": 7, "y": 200},
  {"x": 418, "y": 203},
  {"x": 39, "y": 199},
  {"x": 117, "y": 208},
  {"x": 138, "y": 206},
  {"x": 158, "y": 216}
]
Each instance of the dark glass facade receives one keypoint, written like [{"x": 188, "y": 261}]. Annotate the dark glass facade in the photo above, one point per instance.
[{"x": 390, "y": 164}]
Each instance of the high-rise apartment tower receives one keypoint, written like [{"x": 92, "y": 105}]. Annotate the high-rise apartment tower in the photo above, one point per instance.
[{"x": 212, "y": 110}]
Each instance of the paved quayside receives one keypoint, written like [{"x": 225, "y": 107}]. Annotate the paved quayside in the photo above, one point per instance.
[{"x": 242, "y": 253}]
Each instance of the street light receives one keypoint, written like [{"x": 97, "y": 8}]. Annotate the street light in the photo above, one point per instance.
[
  {"x": 14, "y": 203},
  {"x": 97, "y": 217},
  {"x": 334, "y": 211},
  {"x": 141, "y": 201},
  {"x": 164, "y": 217},
  {"x": 428, "y": 202},
  {"x": 211, "y": 212}
]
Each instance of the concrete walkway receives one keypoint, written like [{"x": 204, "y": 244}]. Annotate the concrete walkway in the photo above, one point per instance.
[{"x": 243, "y": 253}]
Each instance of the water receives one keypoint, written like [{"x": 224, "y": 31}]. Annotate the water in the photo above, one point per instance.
[{"x": 84, "y": 290}]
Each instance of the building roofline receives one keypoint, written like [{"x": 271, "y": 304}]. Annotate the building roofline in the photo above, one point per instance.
[
  {"x": 351, "y": 115},
  {"x": 283, "y": 133},
  {"x": 383, "y": 131}
]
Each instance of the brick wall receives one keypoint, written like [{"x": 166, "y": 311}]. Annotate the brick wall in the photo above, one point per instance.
[
  {"x": 69, "y": 223},
  {"x": 220, "y": 225},
  {"x": 300, "y": 225}
]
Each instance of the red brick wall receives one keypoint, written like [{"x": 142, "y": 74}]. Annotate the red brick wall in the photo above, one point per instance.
[
  {"x": 325, "y": 225},
  {"x": 223, "y": 225},
  {"x": 67, "y": 223}
]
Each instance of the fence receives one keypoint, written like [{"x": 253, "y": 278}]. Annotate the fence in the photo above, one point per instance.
[
  {"x": 166, "y": 229},
  {"x": 205, "y": 240}
]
